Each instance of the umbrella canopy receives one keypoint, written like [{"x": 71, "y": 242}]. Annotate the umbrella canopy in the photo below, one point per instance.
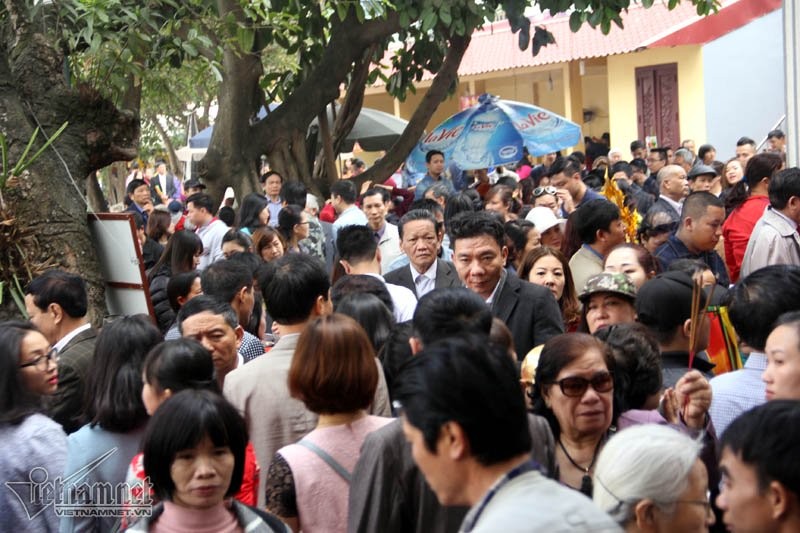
[
  {"x": 494, "y": 132},
  {"x": 374, "y": 130}
]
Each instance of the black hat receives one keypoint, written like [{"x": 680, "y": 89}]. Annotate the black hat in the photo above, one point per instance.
[
  {"x": 193, "y": 184},
  {"x": 665, "y": 301},
  {"x": 701, "y": 170}
]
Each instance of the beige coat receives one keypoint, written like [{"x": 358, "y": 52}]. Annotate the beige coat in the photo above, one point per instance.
[{"x": 774, "y": 241}]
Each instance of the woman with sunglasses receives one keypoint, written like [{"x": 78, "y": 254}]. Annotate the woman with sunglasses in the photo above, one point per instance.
[
  {"x": 28, "y": 439},
  {"x": 574, "y": 390},
  {"x": 547, "y": 197}
]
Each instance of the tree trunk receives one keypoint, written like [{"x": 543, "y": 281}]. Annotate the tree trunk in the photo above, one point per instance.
[
  {"x": 172, "y": 156},
  {"x": 47, "y": 203},
  {"x": 97, "y": 202},
  {"x": 237, "y": 143}
]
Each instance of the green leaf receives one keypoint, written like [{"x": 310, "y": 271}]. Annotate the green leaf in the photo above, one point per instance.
[
  {"x": 341, "y": 10},
  {"x": 595, "y": 18},
  {"x": 445, "y": 15},
  {"x": 429, "y": 20},
  {"x": 575, "y": 21},
  {"x": 405, "y": 20},
  {"x": 246, "y": 37},
  {"x": 190, "y": 49},
  {"x": 524, "y": 38},
  {"x": 647, "y": 4}
]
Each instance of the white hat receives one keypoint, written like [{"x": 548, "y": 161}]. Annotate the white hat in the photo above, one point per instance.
[{"x": 543, "y": 218}]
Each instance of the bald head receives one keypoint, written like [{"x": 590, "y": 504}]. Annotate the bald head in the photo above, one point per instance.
[{"x": 672, "y": 182}]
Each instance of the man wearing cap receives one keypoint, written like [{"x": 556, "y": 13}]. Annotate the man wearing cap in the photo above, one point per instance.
[
  {"x": 164, "y": 187},
  {"x": 701, "y": 177},
  {"x": 530, "y": 311},
  {"x": 673, "y": 187},
  {"x": 697, "y": 235},
  {"x": 664, "y": 305},
  {"x": 600, "y": 228},
  {"x": 548, "y": 225},
  {"x": 775, "y": 240},
  {"x": 608, "y": 299}
]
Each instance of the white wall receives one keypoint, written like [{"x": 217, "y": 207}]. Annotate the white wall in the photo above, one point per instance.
[{"x": 744, "y": 83}]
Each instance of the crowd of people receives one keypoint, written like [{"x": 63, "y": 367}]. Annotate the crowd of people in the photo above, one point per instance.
[{"x": 473, "y": 351}]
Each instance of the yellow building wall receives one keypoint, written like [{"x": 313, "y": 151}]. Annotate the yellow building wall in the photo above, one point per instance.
[
  {"x": 595, "y": 98},
  {"x": 622, "y": 92}
]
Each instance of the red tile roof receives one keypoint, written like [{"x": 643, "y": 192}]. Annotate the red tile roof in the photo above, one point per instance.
[{"x": 494, "y": 48}]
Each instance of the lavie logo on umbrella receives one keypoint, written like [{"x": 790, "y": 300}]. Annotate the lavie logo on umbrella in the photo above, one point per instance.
[
  {"x": 532, "y": 120},
  {"x": 495, "y": 132},
  {"x": 443, "y": 134}
]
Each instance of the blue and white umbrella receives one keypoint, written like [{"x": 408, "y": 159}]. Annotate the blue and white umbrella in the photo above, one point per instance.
[{"x": 494, "y": 132}]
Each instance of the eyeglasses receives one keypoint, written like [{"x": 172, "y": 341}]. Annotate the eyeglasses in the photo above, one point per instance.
[
  {"x": 705, "y": 503},
  {"x": 548, "y": 189},
  {"x": 575, "y": 387},
  {"x": 43, "y": 361}
]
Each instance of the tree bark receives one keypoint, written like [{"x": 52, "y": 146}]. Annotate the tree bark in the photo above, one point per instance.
[
  {"x": 237, "y": 143},
  {"x": 232, "y": 158},
  {"x": 47, "y": 203}
]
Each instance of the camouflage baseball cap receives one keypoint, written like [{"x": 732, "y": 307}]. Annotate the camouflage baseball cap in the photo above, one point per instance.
[{"x": 615, "y": 283}]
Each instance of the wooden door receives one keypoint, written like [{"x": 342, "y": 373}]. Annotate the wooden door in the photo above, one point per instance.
[{"x": 657, "y": 103}]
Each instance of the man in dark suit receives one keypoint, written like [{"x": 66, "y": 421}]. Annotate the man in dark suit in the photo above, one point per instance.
[
  {"x": 419, "y": 240},
  {"x": 530, "y": 311},
  {"x": 56, "y": 303}
]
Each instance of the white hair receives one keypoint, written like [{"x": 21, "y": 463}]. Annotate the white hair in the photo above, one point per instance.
[{"x": 649, "y": 461}]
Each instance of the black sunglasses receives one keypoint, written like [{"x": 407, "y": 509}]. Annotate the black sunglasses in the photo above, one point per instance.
[
  {"x": 575, "y": 387},
  {"x": 548, "y": 189}
]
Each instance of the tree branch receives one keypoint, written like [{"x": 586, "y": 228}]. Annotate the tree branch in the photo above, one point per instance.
[
  {"x": 437, "y": 92},
  {"x": 322, "y": 85}
]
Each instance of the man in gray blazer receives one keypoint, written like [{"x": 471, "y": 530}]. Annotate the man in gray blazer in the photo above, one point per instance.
[
  {"x": 420, "y": 242},
  {"x": 295, "y": 290},
  {"x": 530, "y": 311},
  {"x": 775, "y": 240},
  {"x": 57, "y": 304}
]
